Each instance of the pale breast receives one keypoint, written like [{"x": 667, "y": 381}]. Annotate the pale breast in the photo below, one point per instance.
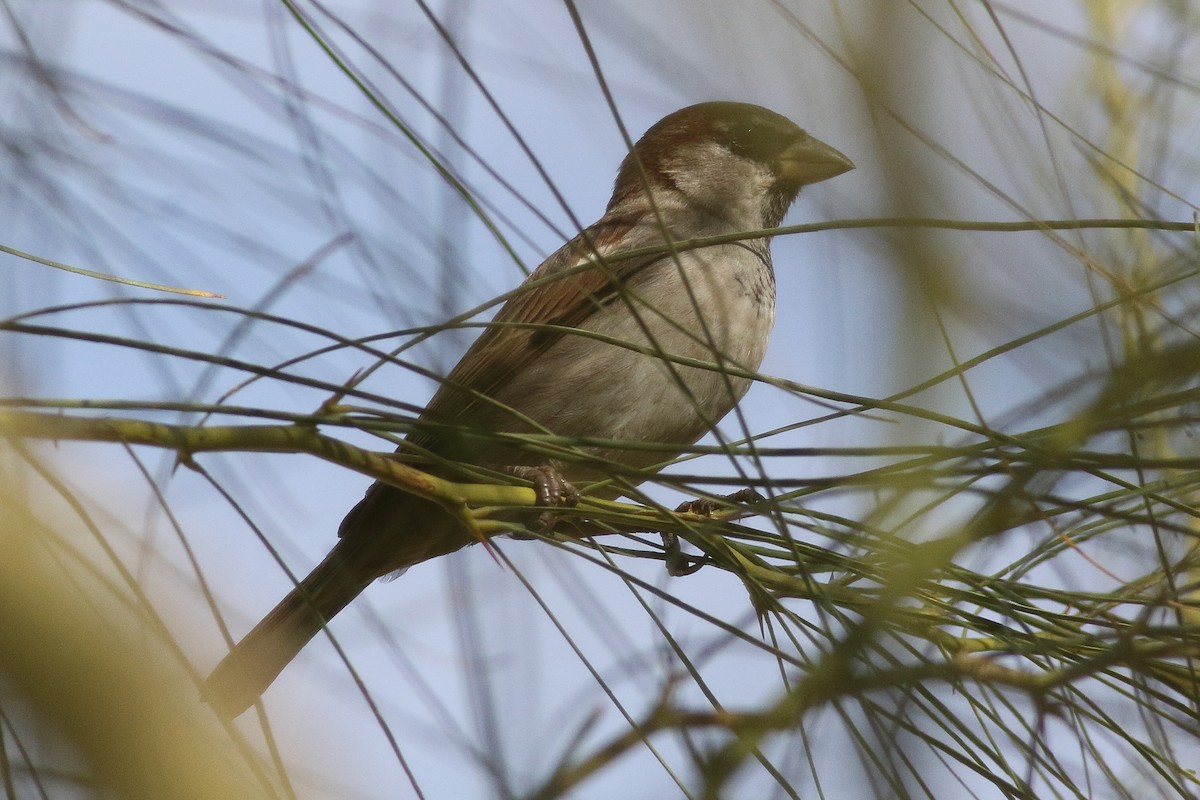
[{"x": 715, "y": 305}]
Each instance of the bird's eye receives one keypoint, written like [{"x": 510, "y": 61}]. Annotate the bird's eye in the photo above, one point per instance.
[{"x": 759, "y": 142}]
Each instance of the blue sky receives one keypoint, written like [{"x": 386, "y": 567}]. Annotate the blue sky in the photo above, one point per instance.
[{"x": 223, "y": 151}]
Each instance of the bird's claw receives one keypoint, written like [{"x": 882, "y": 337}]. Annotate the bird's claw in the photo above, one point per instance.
[
  {"x": 678, "y": 563},
  {"x": 553, "y": 491},
  {"x": 705, "y": 506}
]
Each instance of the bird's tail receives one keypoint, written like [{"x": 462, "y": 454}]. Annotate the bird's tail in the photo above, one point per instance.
[{"x": 244, "y": 674}]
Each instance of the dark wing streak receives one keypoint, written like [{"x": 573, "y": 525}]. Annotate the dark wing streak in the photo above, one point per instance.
[{"x": 509, "y": 344}]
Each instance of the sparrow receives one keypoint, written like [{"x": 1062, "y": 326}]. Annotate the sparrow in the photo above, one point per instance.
[{"x": 611, "y": 349}]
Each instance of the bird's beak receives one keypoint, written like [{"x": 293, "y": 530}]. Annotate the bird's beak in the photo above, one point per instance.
[{"x": 811, "y": 161}]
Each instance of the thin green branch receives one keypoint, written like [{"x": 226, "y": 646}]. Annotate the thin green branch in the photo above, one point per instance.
[{"x": 87, "y": 273}]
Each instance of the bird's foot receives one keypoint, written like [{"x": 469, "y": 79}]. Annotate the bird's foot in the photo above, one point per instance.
[
  {"x": 553, "y": 491},
  {"x": 679, "y": 563},
  {"x": 705, "y": 507}
]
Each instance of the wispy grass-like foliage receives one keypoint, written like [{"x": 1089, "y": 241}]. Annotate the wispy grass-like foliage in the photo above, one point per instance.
[{"x": 970, "y": 567}]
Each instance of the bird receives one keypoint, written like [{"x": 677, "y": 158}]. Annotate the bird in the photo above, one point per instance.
[{"x": 593, "y": 345}]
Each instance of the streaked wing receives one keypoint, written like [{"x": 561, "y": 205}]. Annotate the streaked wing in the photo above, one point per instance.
[{"x": 508, "y": 345}]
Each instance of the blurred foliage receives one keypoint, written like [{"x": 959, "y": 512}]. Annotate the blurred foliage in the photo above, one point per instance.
[{"x": 986, "y": 586}]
